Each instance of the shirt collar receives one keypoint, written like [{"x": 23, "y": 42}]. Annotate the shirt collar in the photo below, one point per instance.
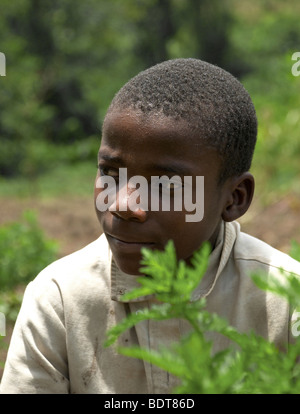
[{"x": 218, "y": 259}]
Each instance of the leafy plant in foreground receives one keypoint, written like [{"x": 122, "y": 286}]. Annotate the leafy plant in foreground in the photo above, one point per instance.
[{"x": 250, "y": 365}]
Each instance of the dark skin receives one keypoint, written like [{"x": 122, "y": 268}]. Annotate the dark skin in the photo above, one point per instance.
[{"x": 154, "y": 146}]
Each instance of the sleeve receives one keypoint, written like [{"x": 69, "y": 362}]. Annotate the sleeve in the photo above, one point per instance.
[{"x": 37, "y": 356}]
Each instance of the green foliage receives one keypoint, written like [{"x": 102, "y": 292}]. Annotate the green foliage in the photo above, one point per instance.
[
  {"x": 175, "y": 283},
  {"x": 171, "y": 284},
  {"x": 10, "y": 303},
  {"x": 25, "y": 251},
  {"x": 287, "y": 287},
  {"x": 295, "y": 250},
  {"x": 268, "y": 33},
  {"x": 60, "y": 56},
  {"x": 66, "y": 60},
  {"x": 69, "y": 180},
  {"x": 251, "y": 365}
]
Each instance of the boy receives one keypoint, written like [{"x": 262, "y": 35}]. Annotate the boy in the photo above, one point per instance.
[{"x": 181, "y": 118}]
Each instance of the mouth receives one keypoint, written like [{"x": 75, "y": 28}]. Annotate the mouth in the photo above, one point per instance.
[{"x": 126, "y": 242}]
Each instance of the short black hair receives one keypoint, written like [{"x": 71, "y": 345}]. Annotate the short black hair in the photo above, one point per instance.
[{"x": 211, "y": 100}]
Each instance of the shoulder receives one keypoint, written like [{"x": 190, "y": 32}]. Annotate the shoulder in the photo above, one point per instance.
[
  {"x": 79, "y": 274},
  {"x": 249, "y": 249},
  {"x": 94, "y": 256}
]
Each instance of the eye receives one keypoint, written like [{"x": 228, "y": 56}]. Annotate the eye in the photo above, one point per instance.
[
  {"x": 169, "y": 184},
  {"x": 112, "y": 172}
]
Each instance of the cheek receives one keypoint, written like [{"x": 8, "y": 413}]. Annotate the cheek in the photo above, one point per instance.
[
  {"x": 104, "y": 195},
  {"x": 100, "y": 214},
  {"x": 187, "y": 236}
]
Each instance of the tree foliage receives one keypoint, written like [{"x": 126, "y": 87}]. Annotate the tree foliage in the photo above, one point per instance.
[{"x": 66, "y": 60}]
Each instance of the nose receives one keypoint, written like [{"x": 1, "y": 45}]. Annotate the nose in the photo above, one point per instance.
[{"x": 128, "y": 205}]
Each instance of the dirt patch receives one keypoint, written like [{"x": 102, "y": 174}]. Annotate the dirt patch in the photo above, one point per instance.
[
  {"x": 72, "y": 222},
  {"x": 276, "y": 224}
]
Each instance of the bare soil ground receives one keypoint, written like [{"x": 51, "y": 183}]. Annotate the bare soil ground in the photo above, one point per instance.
[{"x": 74, "y": 224}]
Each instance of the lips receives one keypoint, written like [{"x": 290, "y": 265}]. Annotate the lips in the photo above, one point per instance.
[
  {"x": 126, "y": 251},
  {"x": 128, "y": 240}
]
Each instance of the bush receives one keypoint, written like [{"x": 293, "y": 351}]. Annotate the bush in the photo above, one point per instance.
[{"x": 25, "y": 251}]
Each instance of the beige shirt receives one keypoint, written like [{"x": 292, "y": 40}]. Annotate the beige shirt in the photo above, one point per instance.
[{"x": 57, "y": 343}]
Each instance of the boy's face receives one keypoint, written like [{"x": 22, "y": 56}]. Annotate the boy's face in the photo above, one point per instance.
[{"x": 155, "y": 146}]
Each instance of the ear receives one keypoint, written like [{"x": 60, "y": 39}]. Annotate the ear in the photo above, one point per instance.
[{"x": 240, "y": 194}]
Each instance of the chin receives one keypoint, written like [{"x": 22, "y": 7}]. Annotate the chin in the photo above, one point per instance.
[{"x": 129, "y": 268}]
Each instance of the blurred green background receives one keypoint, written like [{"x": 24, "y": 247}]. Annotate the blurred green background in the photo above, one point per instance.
[{"x": 66, "y": 59}]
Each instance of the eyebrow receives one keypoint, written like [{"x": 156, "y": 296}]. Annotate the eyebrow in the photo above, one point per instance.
[
  {"x": 177, "y": 169},
  {"x": 110, "y": 158}
]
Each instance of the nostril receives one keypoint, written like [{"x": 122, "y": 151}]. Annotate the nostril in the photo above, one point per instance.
[{"x": 137, "y": 215}]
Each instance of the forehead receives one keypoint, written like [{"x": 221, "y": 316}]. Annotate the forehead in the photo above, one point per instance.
[
  {"x": 128, "y": 124},
  {"x": 136, "y": 137}
]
